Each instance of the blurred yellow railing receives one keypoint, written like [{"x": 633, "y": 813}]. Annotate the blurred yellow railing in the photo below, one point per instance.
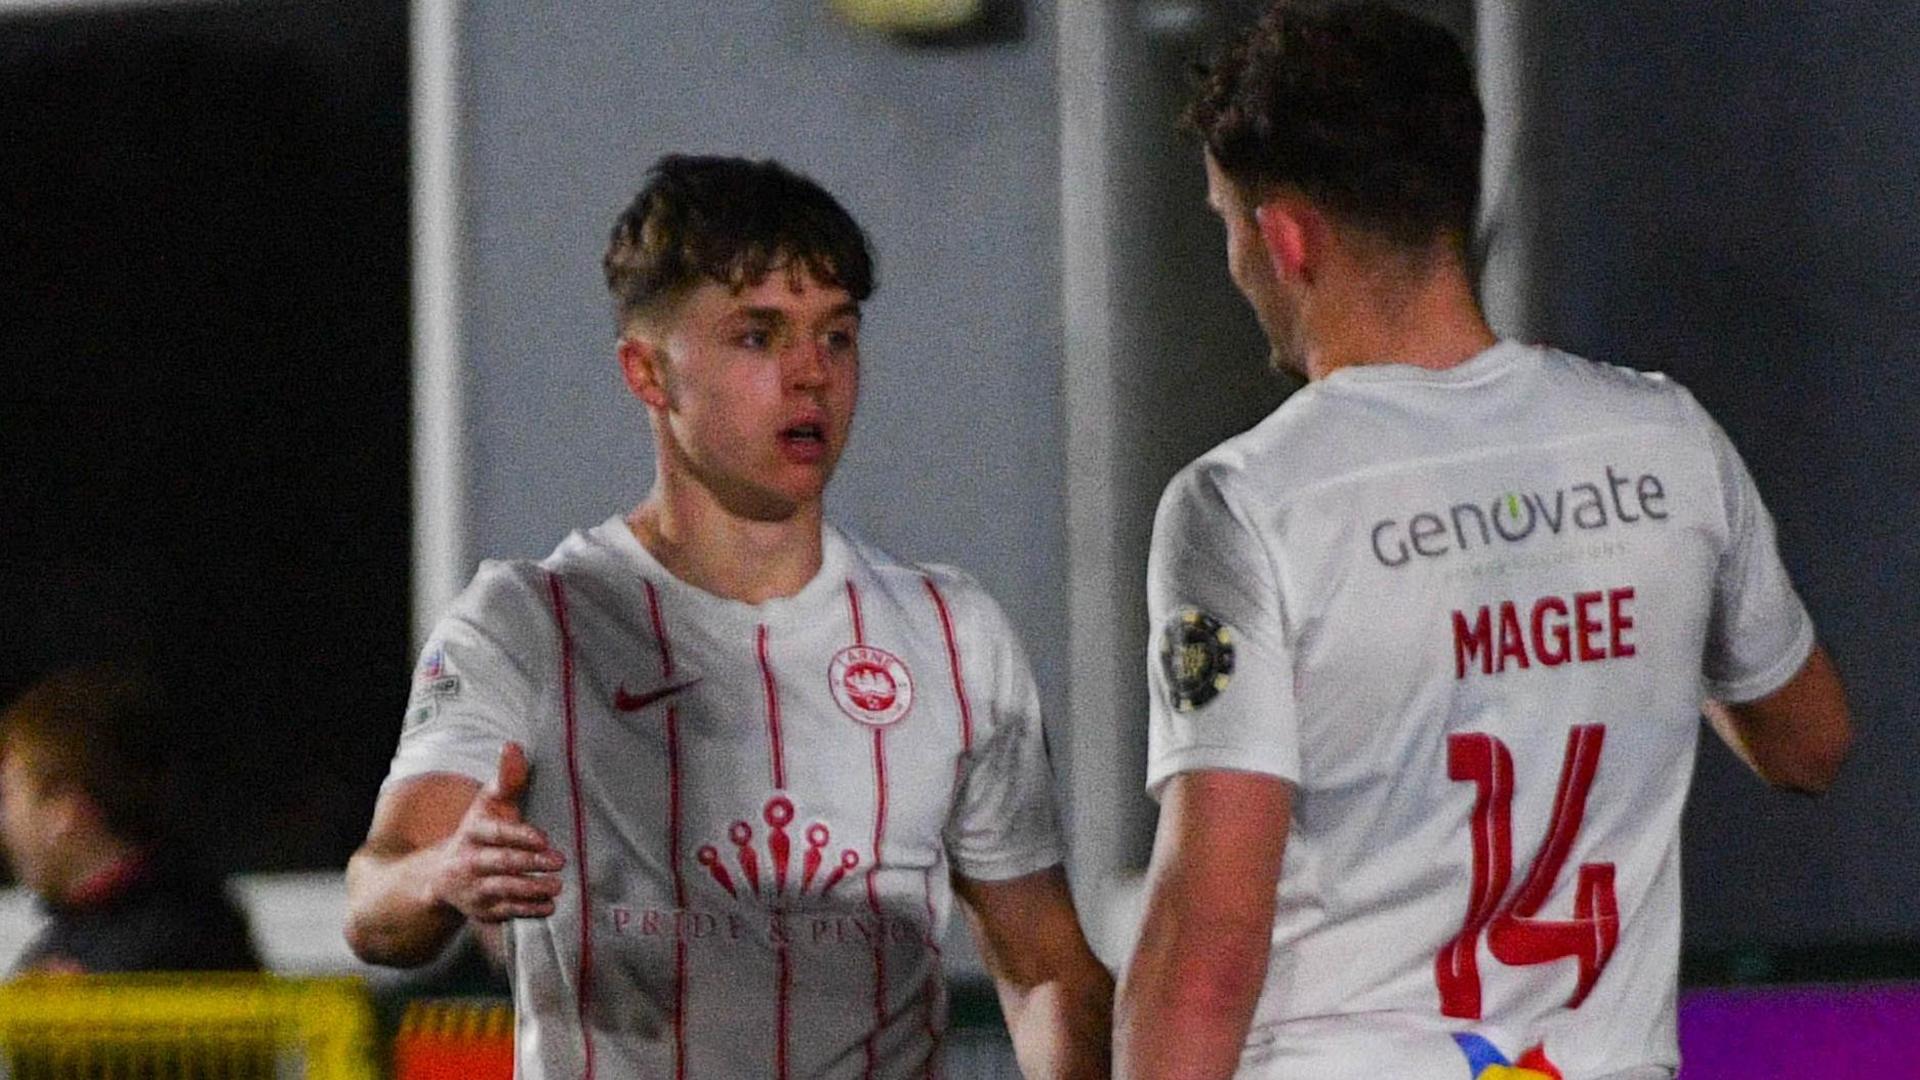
[{"x": 152, "y": 1026}]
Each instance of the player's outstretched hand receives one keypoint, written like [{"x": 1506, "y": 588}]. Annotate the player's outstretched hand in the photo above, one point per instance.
[{"x": 496, "y": 866}]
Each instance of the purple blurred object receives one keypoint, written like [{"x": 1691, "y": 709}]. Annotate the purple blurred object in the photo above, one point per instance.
[{"x": 1801, "y": 1032}]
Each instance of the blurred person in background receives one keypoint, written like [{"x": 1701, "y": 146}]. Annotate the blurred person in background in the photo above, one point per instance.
[
  {"x": 1439, "y": 630},
  {"x": 89, "y": 819},
  {"x": 720, "y": 767}
]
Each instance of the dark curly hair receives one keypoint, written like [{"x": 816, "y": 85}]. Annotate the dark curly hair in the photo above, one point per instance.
[
  {"x": 732, "y": 221},
  {"x": 1366, "y": 110}
]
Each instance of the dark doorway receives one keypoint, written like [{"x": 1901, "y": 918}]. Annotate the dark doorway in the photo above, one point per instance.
[{"x": 204, "y": 384}]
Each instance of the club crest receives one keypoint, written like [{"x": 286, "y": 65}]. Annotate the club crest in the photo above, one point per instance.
[
  {"x": 434, "y": 681},
  {"x": 871, "y": 685},
  {"x": 1196, "y": 651}
]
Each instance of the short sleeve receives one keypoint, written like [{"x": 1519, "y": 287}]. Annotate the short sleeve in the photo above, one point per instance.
[
  {"x": 1219, "y": 669},
  {"x": 1003, "y": 822},
  {"x": 1759, "y": 634},
  {"x": 475, "y": 687}
]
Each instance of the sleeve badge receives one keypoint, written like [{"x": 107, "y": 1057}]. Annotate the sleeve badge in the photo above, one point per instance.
[
  {"x": 433, "y": 682},
  {"x": 1196, "y": 651}
]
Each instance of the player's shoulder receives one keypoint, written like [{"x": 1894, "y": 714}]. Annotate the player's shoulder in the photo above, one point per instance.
[
  {"x": 1588, "y": 394},
  {"x": 918, "y": 582},
  {"x": 1217, "y": 483},
  {"x": 869, "y": 559},
  {"x": 501, "y": 585},
  {"x": 1580, "y": 374},
  {"x": 506, "y": 587},
  {"x": 608, "y": 548},
  {"x": 1309, "y": 438}
]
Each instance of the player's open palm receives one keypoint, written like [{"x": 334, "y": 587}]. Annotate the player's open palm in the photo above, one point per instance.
[{"x": 496, "y": 865}]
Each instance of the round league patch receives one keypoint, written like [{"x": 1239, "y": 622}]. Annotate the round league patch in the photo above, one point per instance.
[
  {"x": 1197, "y": 652},
  {"x": 871, "y": 685}
]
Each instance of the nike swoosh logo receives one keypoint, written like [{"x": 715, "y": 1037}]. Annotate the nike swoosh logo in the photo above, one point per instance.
[{"x": 626, "y": 702}]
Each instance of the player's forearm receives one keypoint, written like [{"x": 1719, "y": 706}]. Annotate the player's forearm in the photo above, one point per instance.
[
  {"x": 1186, "y": 1001},
  {"x": 394, "y": 916},
  {"x": 1796, "y": 738},
  {"x": 1061, "y": 1027},
  {"x": 1056, "y": 996},
  {"x": 1798, "y": 765}
]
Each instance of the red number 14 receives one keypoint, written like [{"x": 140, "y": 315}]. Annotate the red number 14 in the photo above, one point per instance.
[{"x": 1515, "y": 935}]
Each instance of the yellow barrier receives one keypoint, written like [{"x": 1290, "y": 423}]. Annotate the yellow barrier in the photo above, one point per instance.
[{"x": 106, "y": 1026}]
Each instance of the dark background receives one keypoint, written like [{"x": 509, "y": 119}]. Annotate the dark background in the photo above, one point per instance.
[{"x": 203, "y": 390}]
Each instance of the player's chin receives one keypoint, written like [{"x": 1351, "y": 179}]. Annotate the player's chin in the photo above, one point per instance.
[
  {"x": 806, "y": 481},
  {"x": 803, "y": 492},
  {"x": 781, "y": 498}
]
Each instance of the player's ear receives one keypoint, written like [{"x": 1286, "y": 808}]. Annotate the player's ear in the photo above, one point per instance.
[
  {"x": 1289, "y": 229},
  {"x": 643, "y": 362}
]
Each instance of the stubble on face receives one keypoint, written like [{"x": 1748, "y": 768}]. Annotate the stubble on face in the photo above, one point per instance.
[
  {"x": 1251, "y": 267},
  {"x": 1286, "y": 349}
]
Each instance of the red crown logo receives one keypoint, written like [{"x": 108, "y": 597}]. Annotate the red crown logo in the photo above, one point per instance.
[
  {"x": 778, "y": 814},
  {"x": 870, "y": 686}
]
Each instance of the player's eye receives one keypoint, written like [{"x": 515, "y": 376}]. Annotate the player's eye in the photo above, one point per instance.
[
  {"x": 756, "y": 338},
  {"x": 841, "y": 341}
]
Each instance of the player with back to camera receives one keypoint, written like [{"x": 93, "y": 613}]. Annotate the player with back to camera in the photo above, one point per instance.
[
  {"x": 718, "y": 766},
  {"x": 1439, "y": 629}
]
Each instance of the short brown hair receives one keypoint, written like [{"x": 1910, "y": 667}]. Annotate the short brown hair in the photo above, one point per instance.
[
  {"x": 1366, "y": 110},
  {"x": 104, "y": 732},
  {"x": 732, "y": 221}
]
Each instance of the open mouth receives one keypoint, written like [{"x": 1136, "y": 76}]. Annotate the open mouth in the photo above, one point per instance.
[{"x": 805, "y": 433}]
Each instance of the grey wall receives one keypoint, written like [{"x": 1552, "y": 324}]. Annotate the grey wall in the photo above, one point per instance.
[
  {"x": 1165, "y": 361},
  {"x": 1726, "y": 192},
  {"x": 946, "y": 154}
]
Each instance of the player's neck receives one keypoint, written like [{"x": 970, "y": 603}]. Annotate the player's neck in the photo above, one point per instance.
[
  {"x": 698, "y": 541},
  {"x": 1432, "y": 322}
]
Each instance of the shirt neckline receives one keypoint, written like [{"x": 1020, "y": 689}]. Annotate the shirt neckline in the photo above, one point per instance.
[
  {"x": 615, "y": 534},
  {"x": 1486, "y": 364}
]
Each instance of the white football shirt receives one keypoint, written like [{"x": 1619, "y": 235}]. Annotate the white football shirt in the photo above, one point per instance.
[
  {"x": 1470, "y": 615},
  {"x": 759, "y": 804}
]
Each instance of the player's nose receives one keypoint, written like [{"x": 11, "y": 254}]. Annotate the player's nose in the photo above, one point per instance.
[{"x": 806, "y": 364}]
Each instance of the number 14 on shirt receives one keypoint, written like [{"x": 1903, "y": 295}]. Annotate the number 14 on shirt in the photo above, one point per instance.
[{"x": 1515, "y": 934}]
